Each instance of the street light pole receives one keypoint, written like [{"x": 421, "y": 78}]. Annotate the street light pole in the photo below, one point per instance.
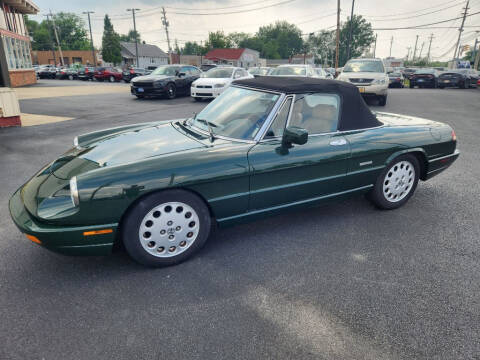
[
  {"x": 338, "y": 35},
  {"x": 91, "y": 37},
  {"x": 135, "y": 31}
]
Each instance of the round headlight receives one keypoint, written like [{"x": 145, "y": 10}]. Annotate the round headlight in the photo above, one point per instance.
[{"x": 74, "y": 191}]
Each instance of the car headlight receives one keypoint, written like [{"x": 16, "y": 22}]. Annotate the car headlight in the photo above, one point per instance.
[
  {"x": 379, "y": 82},
  {"x": 75, "y": 141},
  {"x": 219, "y": 85},
  {"x": 74, "y": 191}
]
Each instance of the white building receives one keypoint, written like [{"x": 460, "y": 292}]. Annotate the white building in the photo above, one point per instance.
[{"x": 148, "y": 55}]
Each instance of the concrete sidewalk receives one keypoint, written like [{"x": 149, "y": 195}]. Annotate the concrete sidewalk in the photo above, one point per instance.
[{"x": 33, "y": 92}]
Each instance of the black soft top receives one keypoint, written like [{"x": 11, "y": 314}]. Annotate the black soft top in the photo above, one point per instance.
[{"x": 354, "y": 113}]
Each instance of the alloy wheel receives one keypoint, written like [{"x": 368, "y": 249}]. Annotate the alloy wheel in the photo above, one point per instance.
[
  {"x": 398, "y": 181},
  {"x": 169, "y": 229}
]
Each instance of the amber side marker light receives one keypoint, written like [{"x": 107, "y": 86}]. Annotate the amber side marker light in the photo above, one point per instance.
[
  {"x": 33, "y": 238},
  {"x": 97, "y": 232}
]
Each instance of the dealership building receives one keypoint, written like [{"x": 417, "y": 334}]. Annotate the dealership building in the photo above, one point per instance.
[{"x": 15, "y": 55}]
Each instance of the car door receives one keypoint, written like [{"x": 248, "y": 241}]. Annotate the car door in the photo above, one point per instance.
[{"x": 284, "y": 175}]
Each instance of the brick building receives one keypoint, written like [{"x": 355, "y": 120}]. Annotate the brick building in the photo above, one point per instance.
[
  {"x": 70, "y": 57},
  {"x": 15, "y": 42}
]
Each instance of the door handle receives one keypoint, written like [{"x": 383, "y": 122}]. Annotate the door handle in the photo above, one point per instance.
[{"x": 338, "y": 142}]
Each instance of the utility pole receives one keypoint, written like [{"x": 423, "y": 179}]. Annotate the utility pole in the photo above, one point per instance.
[
  {"x": 166, "y": 24},
  {"x": 56, "y": 36},
  {"x": 349, "y": 44},
  {"x": 415, "y": 49},
  {"x": 391, "y": 44},
  {"x": 420, "y": 56},
  {"x": 408, "y": 52},
  {"x": 429, "y": 47},
  {"x": 53, "y": 44},
  {"x": 375, "y": 45},
  {"x": 338, "y": 35},
  {"x": 91, "y": 37},
  {"x": 135, "y": 31},
  {"x": 460, "y": 30},
  {"x": 474, "y": 52}
]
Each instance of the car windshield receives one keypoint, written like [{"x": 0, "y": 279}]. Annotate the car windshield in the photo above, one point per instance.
[
  {"x": 166, "y": 70},
  {"x": 288, "y": 70},
  {"x": 364, "y": 66},
  {"x": 395, "y": 74},
  {"x": 237, "y": 113},
  {"x": 217, "y": 73}
]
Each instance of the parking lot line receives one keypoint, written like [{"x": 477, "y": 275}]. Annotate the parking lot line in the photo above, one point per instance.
[{"x": 35, "y": 119}]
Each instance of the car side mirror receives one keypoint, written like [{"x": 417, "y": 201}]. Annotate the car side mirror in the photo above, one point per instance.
[
  {"x": 294, "y": 135},
  {"x": 181, "y": 74}
]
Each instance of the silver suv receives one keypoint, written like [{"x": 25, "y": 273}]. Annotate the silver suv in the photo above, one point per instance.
[{"x": 369, "y": 76}]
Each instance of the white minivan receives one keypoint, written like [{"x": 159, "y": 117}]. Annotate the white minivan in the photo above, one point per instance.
[{"x": 369, "y": 76}]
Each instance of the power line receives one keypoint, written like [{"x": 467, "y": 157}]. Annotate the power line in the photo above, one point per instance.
[
  {"x": 421, "y": 26},
  {"x": 417, "y": 11},
  {"x": 234, "y": 12}
]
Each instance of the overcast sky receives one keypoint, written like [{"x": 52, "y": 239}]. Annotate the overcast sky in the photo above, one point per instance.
[{"x": 309, "y": 15}]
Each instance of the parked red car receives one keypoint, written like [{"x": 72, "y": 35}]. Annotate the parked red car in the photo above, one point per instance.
[
  {"x": 478, "y": 83},
  {"x": 108, "y": 73}
]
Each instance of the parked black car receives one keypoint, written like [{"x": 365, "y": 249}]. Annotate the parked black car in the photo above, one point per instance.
[
  {"x": 453, "y": 78},
  {"x": 168, "y": 80},
  {"x": 129, "y": 74},
  {"x": 67, "y": 73},
  {"x": 472, "y": 75},
  {"x": 407, "y": 73},
  {"x": 47, "y": 72},
  {"x": 424, "y": 78},
  {"x": 86, "y": 73},
  {"x": 395, "y": 80}
]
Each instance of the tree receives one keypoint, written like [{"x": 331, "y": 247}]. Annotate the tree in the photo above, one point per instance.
[
  {"x": 193, "y": 48},
  {"x": 111, "y": 50},
  {"x": 286, "y": 37},
  {"x": 218, "y": 40},
  {"x": 322, "y": 45},
  {"x": 362, "y": 38},
  {"x": 176, "y": 47},
  {"x": 130, "y": 37},
  {"x": 70, "y": 28}
]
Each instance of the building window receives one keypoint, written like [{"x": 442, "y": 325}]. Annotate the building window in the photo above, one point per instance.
[
  {"x": 17, "y": 53},
  {"x": 76, "y": 60}
]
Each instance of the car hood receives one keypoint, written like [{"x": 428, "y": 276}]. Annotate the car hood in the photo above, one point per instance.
[
  {"x": 47, "y": 194},
  {"x": 212, "y": 81},
  {"x": 151, "y": 78}
]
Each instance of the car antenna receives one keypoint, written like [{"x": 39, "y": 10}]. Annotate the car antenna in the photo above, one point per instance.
[{"x": 210, "y": 130}]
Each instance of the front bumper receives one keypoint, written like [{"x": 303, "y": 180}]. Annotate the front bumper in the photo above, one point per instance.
[
  {"x": 148, "y": 91},
  {"x": 207, "y": 93},
  {"x": 450, "y": 83},
  {"x": 68, "y": 240},
  {"x": 370, "y": 90}
]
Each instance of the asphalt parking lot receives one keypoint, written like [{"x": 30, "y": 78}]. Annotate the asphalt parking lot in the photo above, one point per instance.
[{"x": 342, "y": 281}]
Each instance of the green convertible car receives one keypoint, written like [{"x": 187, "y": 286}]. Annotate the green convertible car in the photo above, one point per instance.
[{"x": 264, "y": 146}]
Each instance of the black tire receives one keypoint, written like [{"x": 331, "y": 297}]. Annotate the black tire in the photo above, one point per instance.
[
  {"x": 466, "y": 84},
  {"x": 70, "y": 77},
  {"x": 140, "y": 96},
  {"x": 132, "y": 221},
  {"x": 171, "y": 91},
  {"x": 197, "y": 99},
  {"x": 380, "y": 198},
  {"x": 411, "y": 86},
  {"x": 382, "y": 100}
]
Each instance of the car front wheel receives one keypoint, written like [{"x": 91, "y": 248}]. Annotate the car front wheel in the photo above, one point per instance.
[
  {"x": 111, "y": 79},
  {"x": 382, "y": 100},
  {"x": 166, "y": 228},
  {"x": 171, "y": 91},
  {"x": 397, "y": 183}
]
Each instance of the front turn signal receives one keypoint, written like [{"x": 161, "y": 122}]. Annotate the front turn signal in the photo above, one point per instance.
[{"x": 33, "y": 238}]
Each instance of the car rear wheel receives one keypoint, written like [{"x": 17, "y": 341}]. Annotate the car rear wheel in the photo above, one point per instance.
[
  {"x": 171, "y": 91},
  {"x": 396, "y": 184},
  {"x": 111, "y": 79},
  {"x": 166, "y": 228}
]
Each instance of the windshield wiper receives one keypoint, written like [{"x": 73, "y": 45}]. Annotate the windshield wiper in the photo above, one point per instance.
[{"x": 210, "y": 130}]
